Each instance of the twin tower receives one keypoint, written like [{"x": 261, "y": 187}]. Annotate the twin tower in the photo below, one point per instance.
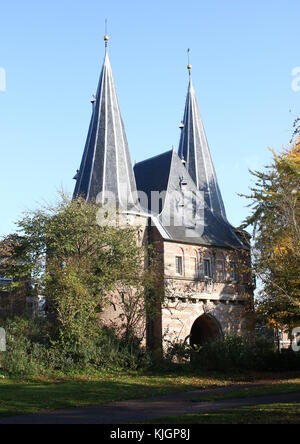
[{"x": 106, "y": 166}]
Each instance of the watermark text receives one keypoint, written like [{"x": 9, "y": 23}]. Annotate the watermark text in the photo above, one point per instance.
[
  {"x": 296, "y": 339},
  {"x": 296, "y": 79},
  {"x": 176, "y": 208},
  {"x": 2, "y": 340},
  {"x": 2, "y": 80}
]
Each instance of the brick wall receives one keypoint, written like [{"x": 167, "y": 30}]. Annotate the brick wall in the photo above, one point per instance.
[{"x": 190, "y": 295}]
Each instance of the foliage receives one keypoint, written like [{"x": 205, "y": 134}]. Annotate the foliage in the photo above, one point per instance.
[
  {"x": 26, "y": 342},
  {"x": 80, "y": 266},
  {"x": 178, "y": 351},
  {"x": 276, "y": 253},
  {"x": 76, "y": 263},
  {"x": 141, "y": 301},
  {"x": 296, "y": 129},
  {"x": 31, "y": 351},
  {"x": 237, "y": 353}
]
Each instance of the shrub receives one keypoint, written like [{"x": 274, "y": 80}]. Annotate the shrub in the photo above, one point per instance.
[
  {"x": 27, "y": 347},
  {"x": 29, "y": 353},
  {"x": 238, "y": 353},
  {"x": 178, "y": 352}
]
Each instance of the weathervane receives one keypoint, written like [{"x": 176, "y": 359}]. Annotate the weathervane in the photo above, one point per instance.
[
  {"x": 106, "y": 36},
  {"x": 189, "y": 67}
]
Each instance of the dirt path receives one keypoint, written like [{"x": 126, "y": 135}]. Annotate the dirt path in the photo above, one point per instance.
[{"x": 139, "y": 410}]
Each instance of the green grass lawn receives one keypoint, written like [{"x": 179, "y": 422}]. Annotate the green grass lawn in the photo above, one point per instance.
[
  {"x": 281, "y": 387},
  {"x": 287, "y": 413},
  {"x": 49, "y": 393},
  {"x": 19, "y": 396}
]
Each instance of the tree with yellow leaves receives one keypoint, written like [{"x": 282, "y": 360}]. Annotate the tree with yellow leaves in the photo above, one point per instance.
[{"x": 276, "y": 236}]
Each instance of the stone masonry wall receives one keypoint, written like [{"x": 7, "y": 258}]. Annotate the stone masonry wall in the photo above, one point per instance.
[{"x": 188, "y": 296}]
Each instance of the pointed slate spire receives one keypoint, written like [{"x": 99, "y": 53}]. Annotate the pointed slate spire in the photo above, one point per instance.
[
  {"x": 106, "y": 166},
  {"x": 194, "y": 149}
]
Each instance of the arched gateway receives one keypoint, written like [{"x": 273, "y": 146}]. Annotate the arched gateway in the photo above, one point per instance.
[{"x": 205, "y": 329}]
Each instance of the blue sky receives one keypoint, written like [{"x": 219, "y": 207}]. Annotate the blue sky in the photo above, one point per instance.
[{"x": 242, "y": 53}]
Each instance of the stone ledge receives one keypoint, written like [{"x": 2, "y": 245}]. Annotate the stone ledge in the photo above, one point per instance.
[{"x": 210, "y": 297}]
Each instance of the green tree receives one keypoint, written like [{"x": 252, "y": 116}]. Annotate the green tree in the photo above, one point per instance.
[
  {"x": 75, "y": 262},
  {"x": 276, "y": 236}
]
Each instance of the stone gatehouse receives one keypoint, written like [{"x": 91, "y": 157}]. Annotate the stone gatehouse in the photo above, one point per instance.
[{"x": 176, "y": 201}]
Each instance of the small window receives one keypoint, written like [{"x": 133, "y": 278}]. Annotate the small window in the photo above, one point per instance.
[
  {"x": 179, "y": 265},
  {"x": 207, "y": 268},
  {"x": 220, "y": 269}
]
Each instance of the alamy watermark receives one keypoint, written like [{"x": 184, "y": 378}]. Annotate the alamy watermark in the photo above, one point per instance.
[
  {"x": 2, "y": 340},
  {"x": 184, "y": 208},
  {"x": 2, "y": 80},
  {"x": 296, "y": 339},
  {"x": 296, "y": 79}
]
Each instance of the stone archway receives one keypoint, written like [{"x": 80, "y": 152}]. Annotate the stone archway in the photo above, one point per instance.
[{"x": 205, "y": 329}]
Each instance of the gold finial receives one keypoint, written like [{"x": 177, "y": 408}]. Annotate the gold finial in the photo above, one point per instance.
[
  {"x": 106, "y": 38},
  {"x": 189, "y": 66}
]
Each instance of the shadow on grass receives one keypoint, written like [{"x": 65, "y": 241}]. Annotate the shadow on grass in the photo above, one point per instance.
[
  {"x": 37, "y": 395},
  {"x": 281, "y": 413},
  {"x": 56, "y": 392}
]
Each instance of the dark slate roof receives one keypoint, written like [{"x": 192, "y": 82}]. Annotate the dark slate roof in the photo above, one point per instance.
[
  {"x": 106, "y": 166},
  {"x": 207, "y": 229},
  {"x": 167, "y": 173},
  {"x": 193, "y": 147},
  {"x": 153, "y": 174}
]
